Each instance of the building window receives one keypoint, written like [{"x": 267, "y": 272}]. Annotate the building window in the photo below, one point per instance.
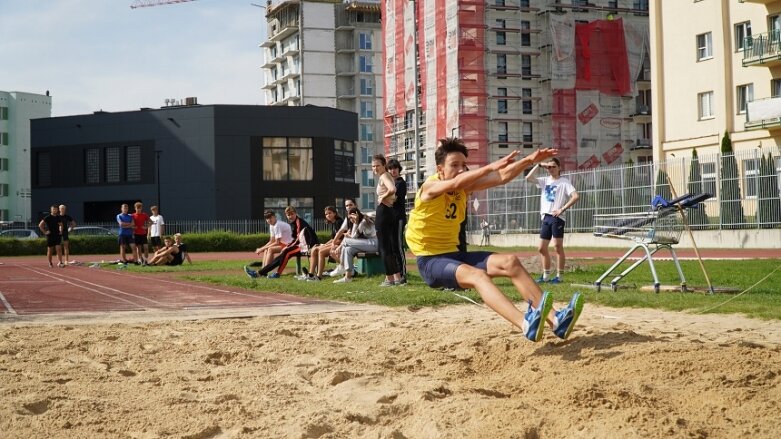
[
  {"x": 44, "y": 169},
  {"x": 304, "y": 207},
  {"x": 528, "y": 136},
  {"x": 612, "y": 3},
  {"x": 367, "y": 133},
  {"x": 367, "y": 110},
  {"x": 501, "y": 64},
  {"x": 775, "y": 88},
  {"x": 706, "y": 104},
  {"x": 708, "y": 173},
  {"x": 367, "y": 201},
  {"x": 92, "y": 165},
  {"x": 287, "y": 158},
  {"x": 742, "y": 36},
  {"x": 501, "y": 38},
  {"x": 3, "y": 113},
  {"x": 526, "y": 104},
  {"x": 344, "y": 161},
  {"x": 365, "y": 41},
  {"x": 526, "y": 65},
  {"x": 745, "y": 95},
  {"x": 774, "y": 28},
  {"x": 526, "y": 37},
  {"x": 502, "y": 132},
  {"x": 366, "y": 156},
  {"x": 365, "y": 62},
  {"x": 499, "y": 3},
  {"x": 524, "y": 3},
  {"x": 641, "y": 5},
  {"x": 579, "y": 3},
  {"x": 367, "y": 87},
  {"x": 501, "y": 104},
  {"x": 3, "y": 138},
  {"x": 704, "y": 46},
  {"x": 3, "y": 164},
  {"x": 133, "y": 163},
  {"x": 3, "y": 190},
  {"x": 367, "y": 178},
  {"x": 112, "y": 165},
  {"x": 750, "y": 177}
]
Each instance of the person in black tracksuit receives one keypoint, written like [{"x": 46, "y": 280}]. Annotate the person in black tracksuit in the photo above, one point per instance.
[
  {"x": 399, "y": 208},
  {"x": 385, "y": 222}
]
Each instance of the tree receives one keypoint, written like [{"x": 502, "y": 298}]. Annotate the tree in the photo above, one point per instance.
[
  {"x": 663, "y": 185},
  {"x": 634, "y": 197},
  {"x": 697, "y": 217},
  {"x": 732, "y": 216},
  {"x": 769, "y": 204}
]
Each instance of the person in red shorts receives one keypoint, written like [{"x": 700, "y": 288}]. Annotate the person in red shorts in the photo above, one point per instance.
[{"x": 140, "y": 225}]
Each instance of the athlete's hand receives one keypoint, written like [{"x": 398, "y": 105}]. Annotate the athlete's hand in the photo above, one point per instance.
[{"x": 543, "y": 154}]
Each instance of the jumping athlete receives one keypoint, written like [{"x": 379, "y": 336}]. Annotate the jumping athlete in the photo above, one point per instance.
[{"x": 432, "y": 235}]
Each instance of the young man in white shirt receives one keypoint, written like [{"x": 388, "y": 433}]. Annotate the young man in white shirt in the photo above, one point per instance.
[
  {"x": 156, "y": 229},
  {"x": 280, "y": 236},
  {"x": 558, "y": 195}
]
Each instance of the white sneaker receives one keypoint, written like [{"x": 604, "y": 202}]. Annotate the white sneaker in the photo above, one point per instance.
[
  {"x": 343, "y": 280},
  {"x": 338, "y": 271}
]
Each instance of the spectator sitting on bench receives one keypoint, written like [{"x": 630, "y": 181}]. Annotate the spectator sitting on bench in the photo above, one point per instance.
[
  {"x": 362, "y": 238},
  {"x": 319, "y": 254},
  {"x": 305, "y": 237},
  {"x": 280, "y": 236}
]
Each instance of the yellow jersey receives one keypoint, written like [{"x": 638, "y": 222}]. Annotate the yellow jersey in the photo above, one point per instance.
[{"x": 434, "y": 225}]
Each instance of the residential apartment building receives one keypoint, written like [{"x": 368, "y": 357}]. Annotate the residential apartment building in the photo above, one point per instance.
[
  {"x": 716, "y": 67},
  {"x": 328, "y": 53},
  {"x": 16, "y": 111},
  {"x": 518, "y": 74}
]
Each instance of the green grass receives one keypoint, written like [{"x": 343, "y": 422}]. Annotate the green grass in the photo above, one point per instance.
[{"x": 762, "y": 301}]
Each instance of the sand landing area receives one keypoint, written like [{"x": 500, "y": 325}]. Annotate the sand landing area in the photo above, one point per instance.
[{"x": 451, "y": 372}]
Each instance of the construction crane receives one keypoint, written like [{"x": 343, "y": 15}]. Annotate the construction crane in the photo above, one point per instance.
[{"x": 148, "y": 3}]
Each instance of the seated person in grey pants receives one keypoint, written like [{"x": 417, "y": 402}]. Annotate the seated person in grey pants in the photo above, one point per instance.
[{"x": 362, "y": 237}]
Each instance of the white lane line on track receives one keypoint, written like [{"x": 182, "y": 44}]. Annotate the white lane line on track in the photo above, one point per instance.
[
  {"x": 7, "y": 305},
  {"x": 196, "y": 285},
  {"x": 74, "y": 281}
]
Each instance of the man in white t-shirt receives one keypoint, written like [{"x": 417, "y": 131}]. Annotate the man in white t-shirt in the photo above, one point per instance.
[
  {"x": 280, "y": 236},
  {"x": 558, "y": 195},
  {"x": 156, "y": 229}
]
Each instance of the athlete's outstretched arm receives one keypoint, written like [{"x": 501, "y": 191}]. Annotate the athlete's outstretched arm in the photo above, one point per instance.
[
  {"x": 465, "y": 179},
  {"x": 508, "y": 173}
]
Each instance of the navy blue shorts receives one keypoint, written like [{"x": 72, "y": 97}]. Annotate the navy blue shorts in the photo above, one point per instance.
[
  {"x": 551, "y": 227},
  {"x": 439, "y": 271},
  {"x": 125, "y": 239}
]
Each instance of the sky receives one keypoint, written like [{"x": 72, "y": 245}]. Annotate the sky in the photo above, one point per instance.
[{"x": 102, "y": 55}]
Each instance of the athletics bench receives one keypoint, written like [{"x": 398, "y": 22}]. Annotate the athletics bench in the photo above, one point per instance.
[{"x": 368, "y": 264}]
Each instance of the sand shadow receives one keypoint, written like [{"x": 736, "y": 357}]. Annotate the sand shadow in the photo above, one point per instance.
[{"x": 603, "y": 345}]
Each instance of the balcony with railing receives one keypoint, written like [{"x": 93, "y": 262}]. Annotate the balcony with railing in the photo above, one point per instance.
[
  {"x": 763, "y": 49},
  {"x": 642, "y": 113},
  {"x": 763, "y": 114}
]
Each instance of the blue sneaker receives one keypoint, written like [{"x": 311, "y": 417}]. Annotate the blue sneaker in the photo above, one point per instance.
[
  {"x": 534, "y": 321},
  {"x": 555, "y": 280},
  {"x": 567, "y": 316},
  {"x": 541, "y": 280},
  {"x": 273, "y": 275},
  {"x": 250, "y": 272}
]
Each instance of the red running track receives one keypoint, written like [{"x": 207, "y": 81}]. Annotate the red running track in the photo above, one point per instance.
[{"x": 28, "y": 289}]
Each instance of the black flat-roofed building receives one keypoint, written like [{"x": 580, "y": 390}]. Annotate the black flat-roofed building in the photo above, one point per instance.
[{"x": 216, "y": 162}]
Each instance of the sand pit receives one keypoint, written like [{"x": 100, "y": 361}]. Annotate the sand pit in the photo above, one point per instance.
[{"x": 454, "y": 372}]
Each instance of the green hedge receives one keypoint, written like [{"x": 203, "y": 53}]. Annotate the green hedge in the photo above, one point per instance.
[{"x": 88, "y": 245}]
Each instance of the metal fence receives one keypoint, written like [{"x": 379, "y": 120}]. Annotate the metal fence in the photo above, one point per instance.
[{"x": 745, "y": 188}]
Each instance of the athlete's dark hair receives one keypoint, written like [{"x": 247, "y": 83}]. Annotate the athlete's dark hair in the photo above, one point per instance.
[{"x": 448, "y": 145}]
